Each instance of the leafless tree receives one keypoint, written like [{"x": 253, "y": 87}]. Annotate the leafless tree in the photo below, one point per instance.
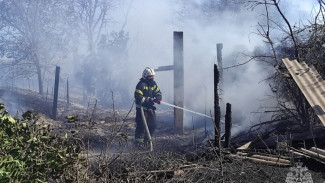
[
  {"x": 33, "y": 34},
  {"x": 94, "y": 16},
  {"x": 303, "y": 43}
]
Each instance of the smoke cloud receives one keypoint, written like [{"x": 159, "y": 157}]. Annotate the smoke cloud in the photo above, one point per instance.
[{"x": 149, "y": 26}]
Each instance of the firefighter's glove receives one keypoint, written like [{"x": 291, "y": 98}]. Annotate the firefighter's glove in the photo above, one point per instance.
[
  {"x": 150, "y": 101},
  {"x": 157, "y": 100}
]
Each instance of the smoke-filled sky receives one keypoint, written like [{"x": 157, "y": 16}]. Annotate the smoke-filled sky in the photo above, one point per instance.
[{"x": 151, "y": 24}]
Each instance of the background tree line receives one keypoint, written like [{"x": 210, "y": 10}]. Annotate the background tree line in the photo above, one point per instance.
[{"x": 37, "y": 35}]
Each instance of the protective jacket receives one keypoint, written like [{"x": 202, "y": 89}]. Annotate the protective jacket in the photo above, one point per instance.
[{"x": 143, "y": 91}]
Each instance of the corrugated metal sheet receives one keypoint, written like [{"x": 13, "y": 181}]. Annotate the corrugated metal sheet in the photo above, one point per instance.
[{"x": 310, "y": 83}]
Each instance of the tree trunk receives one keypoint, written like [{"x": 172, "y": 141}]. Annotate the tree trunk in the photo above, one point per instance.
[{"x": 39, "y": 75}]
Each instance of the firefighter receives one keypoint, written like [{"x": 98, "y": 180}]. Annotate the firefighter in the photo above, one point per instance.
[{"x": 146, "y": 94}]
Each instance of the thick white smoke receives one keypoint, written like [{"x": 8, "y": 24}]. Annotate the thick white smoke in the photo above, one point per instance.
[{"x": 151, "y": 25}]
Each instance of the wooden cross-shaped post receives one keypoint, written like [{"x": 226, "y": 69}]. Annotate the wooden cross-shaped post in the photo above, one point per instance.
[{"x": 178, "y": 69}]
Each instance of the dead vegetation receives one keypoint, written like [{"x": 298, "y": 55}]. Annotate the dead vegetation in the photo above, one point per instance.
[
  {"x": 111, "y": 157},
  {"x": 303, "y": 43}
]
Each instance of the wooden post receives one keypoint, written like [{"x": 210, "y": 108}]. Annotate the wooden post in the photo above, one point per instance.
[
  {"x": 216, "y": 108},
  {"x": 47, "y": 92},
  {"x": 68, "y": 101},
  {"x": 56, "y": 91},
  {"x": 228, "y": 124},
  {"x": 205, "y": 111},
  {"x": 219, "y": 58},
  {"x": 178, "y": 81}
]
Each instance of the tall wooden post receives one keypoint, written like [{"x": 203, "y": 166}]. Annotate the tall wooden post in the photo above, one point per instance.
[
  {"x": 56, "y": 91},
  {"x": 216, "y": 108},
  {"x": 68, "y": 99},
  {"x": 219, "y": 58},
  {"x": 228, "y": 124},
  {"x": 178, "y": 81},
  {"x": 47, "y": 92}
]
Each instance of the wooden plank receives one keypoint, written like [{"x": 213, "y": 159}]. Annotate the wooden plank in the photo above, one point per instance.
[
  {"x": 256, "y": 160},
  {"x": 318, "y": 150},
  {"x": 217, "y": 112},
  {"x": 178, "y": 81},
  {"x": 308, "y": 154},
  {"x": 241, "y": 154},
  {"x": 245, "y": 146},
  {"x": 298, "y": 153},
  {"x": 56, "y": 92},
  {"x": 280, "y": 160},
  {"x": 219, "y": 58},
  {"x": 310, "y": 83},
  {"x": 313, "y": 154},
  {"x": 228, "y": 124},
  {"x": 165, "y": 68}
]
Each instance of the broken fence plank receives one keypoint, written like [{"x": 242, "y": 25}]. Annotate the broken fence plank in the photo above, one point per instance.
[
  {"x": 280, "y": 160},
  {"x": 245, "y": 146},
  {"x": 318, "y": 150},
  {"x": 256, "y": 160},
  {"x": 298, "y": 153},
  {"x": 304, "y": 154},
  {"x": 241, "y": 154},
  {"x": 268, "y": 162},
  {"x": 313, "y": 154}
]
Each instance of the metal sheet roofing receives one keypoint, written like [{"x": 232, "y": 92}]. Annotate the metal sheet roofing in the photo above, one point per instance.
[{"x": 310, "y": 83}]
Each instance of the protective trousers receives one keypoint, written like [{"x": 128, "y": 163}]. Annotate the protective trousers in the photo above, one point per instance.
[{"x": 150, "y": 116}]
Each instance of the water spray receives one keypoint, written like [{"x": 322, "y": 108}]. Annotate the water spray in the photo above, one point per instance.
[{"x": 171, "y": 105}]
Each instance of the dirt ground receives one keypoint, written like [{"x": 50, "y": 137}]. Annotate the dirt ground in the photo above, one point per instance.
[{"x": 176, "y": 158}]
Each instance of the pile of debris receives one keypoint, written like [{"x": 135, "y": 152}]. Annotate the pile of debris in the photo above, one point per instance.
[{"x": 281, "y": 142}]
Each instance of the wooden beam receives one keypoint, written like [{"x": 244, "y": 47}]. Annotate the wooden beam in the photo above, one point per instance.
[
  {"x": 245, "y": 146},
  {"x": 257, "y": 160},
  {"x": 268, "y": 162},
  {"x": 228, "y": 124},
  {"x": 56, "y": 91},
  {"x": 178, "y": 81},
  {"x": 217, "y": 115},
  {"x": 219, "y": 58},
  {"x": 68, "y": 98},
  {"x": 280, "y": 160},
  {"x": 313, "y": 154},
  {"x": 165, "y": 68},
  {"x": 318, "y": 150}
]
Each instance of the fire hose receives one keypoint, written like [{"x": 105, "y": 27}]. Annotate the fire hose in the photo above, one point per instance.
[
  {"x": 167, "y": 104},
  {"x": 146, "y": 127}
]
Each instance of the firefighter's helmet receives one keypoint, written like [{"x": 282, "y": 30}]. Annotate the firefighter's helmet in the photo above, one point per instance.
[{"x": 148, "y": 72}]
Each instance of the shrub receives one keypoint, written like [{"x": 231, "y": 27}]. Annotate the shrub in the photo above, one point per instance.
[{"x": 30, "y": 153}]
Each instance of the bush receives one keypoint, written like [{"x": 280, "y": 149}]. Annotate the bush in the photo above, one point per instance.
[{"x": 30, "y": 153}]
